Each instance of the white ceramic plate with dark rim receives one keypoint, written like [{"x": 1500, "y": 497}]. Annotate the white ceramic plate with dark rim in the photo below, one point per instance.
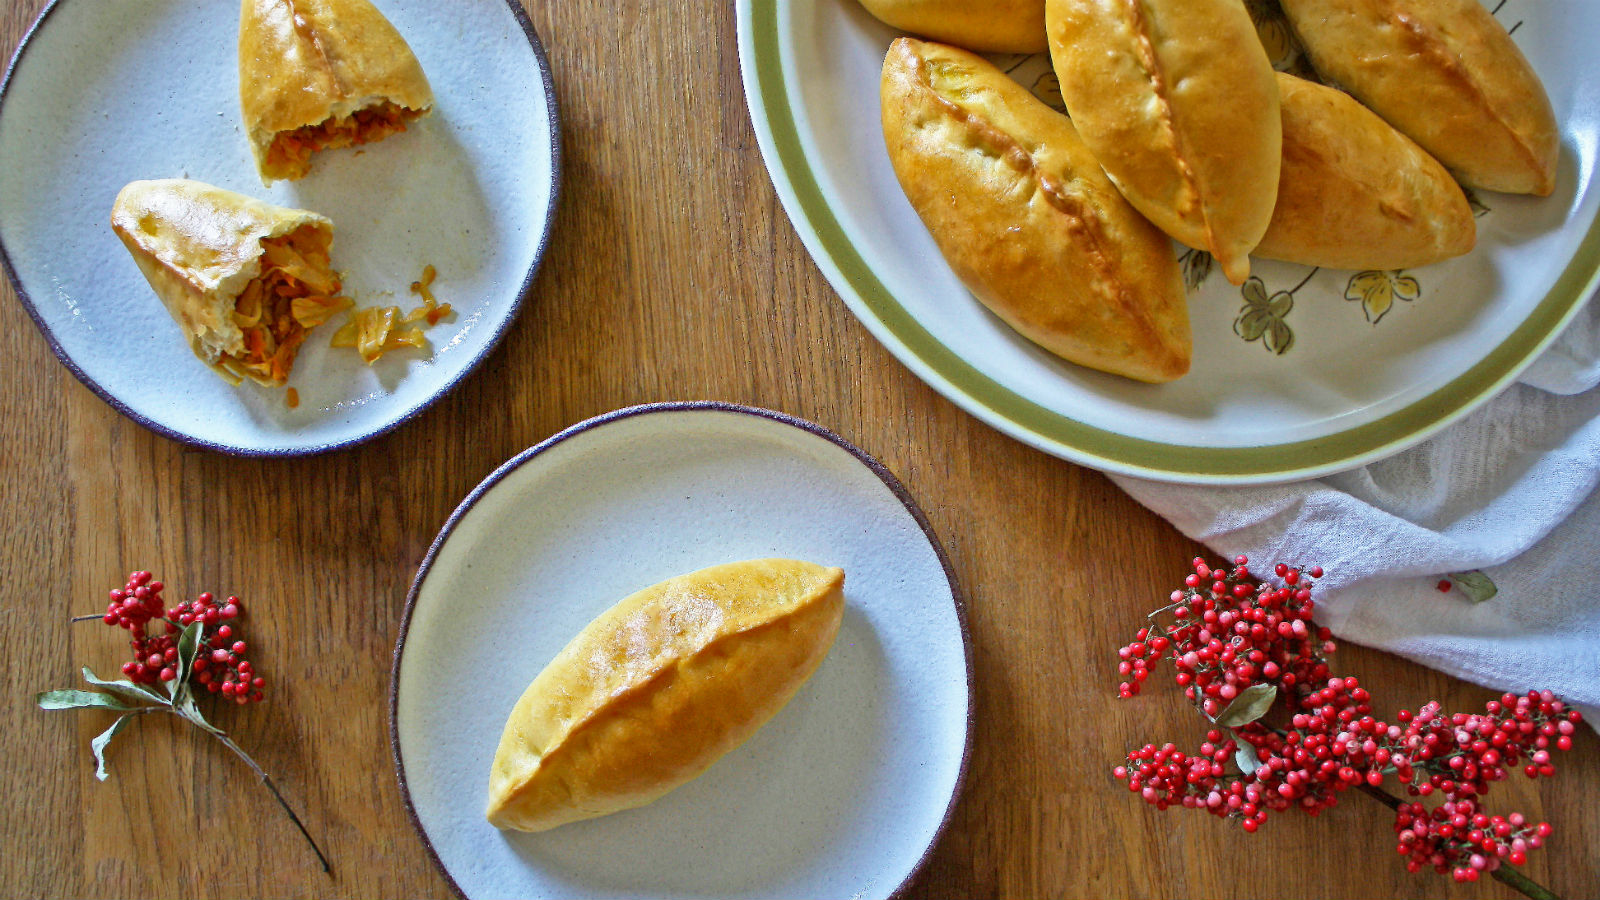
[
  {"x": 842, "y": 794},
  {"x": 1370, "y": 363},
  {"x": 104, "y": 93}
]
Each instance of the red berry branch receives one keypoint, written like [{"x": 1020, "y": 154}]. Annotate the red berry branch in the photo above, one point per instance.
[
  {"x": 195, "y": 649},
  {"x": 219, "y": 664},
  {"x": 1247, "y": 653}
]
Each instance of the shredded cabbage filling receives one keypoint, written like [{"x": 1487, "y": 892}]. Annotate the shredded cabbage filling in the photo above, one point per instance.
[{"x": 296, "y": 291}]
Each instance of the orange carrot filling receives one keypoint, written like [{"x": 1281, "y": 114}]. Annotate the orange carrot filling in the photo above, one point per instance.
[
  {"x": 296, "y": 291},
  {"x": 290, "y": 153}
]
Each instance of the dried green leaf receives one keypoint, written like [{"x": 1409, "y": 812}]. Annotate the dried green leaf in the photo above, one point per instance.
[
  {"x": 1245, "y": 758},
  {"x": 188, "y": 710},
  {"x": 1477, "y": 586},
  {"x": 1251, "y": 704},
  {"x": 78, "y": 700},
  {"x": 98, "y": 745},
  {"x": 125, "y": 688},
  {"x": 188, "y": 642}
]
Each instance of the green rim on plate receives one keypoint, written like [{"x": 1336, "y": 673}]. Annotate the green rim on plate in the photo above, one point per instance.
[{"x": 1075, "y": 440}]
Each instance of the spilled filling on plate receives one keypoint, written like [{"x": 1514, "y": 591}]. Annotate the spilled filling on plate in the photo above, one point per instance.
[
  {"x": 431, "y": 309},
  {"x": 296, "y": 291},
  {"x": 290, "y": 153},
  {"x": 375, "y": 330}
]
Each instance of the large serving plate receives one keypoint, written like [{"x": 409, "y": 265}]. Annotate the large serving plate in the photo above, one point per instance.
[
  {"x": 1301, "y": 372},
  {"x": 842, "y": 794},
  {"x": 103, "y": 93}
]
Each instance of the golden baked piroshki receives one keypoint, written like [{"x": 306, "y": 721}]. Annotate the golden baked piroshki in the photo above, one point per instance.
[
  {"x": 999, "y": 26},
  {"x": 244, "y": 280},
  {"x": 1447, "y": 75},
  {"x": 1177, "y": 100},
  {"x": 1355, "y": 193},
  {"x": 321, "y": 74},
  {"x": 1026, "y": 217},
  {"x": 660, "y": 686}
]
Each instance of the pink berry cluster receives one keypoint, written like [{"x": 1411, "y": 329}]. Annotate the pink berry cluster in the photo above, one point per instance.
[
  {"x": 1233, "y": 634},
  {"x": 1230, "y": 634},
  {"x": 219, "y": 663},
  {"x": 1458, "y": 757}
]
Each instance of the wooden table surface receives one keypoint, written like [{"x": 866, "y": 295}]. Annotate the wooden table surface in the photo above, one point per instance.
[{"x": 672, "y": 274}]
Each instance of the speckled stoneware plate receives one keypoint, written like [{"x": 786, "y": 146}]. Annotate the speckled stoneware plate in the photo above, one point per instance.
[
  {"x": 842, "y": 794},
  {"x": 1299, "y": 373},
  {"x": 103, "y": 93}
]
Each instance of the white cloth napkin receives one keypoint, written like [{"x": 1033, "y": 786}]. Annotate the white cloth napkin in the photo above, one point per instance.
[{"x": 1509, "y": 490}]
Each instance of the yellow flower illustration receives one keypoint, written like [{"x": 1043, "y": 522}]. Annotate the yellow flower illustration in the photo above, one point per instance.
[
  {"x": 1274, "y": 32},
  {"x": 1048, "y": 89},
  {"x": 1377, "y": 290},
  {"x": 1274, "y": 35}
]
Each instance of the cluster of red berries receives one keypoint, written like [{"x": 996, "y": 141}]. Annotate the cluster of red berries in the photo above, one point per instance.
[
  {"x": 219, "y": 663},
  {"x": 1234, "y": 634},
  {"x": 1460, "y": 755},
  {"x": 1230, "y": 634},
  {"x": 1455, "y": 837}
]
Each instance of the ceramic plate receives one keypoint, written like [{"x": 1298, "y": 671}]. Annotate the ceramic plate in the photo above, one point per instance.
[
  {"x": 1300, "y": 372},
  {"x": 841, "y": 794},
  {"x": 101, "y": 94}
]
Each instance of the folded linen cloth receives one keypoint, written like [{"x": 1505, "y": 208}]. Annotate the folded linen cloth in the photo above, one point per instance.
[{"x": 1509, "y": 490}]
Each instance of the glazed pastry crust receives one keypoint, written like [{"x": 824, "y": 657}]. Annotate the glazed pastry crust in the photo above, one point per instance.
[
  {"x": 198, "y": 246},
  {"x": 303, "y": 62},
  {"x": 1446, "y": 74},
  {"x": 1355, "y": 193},
  {"x": 999, "y": 26},
  {"x": 660, "y": 686},
  {"x": 1027, "y": 219},
  {"x": 1177, "y": 100}
]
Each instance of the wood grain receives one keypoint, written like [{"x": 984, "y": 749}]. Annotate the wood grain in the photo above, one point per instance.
[{"x": 673, "y": 274}]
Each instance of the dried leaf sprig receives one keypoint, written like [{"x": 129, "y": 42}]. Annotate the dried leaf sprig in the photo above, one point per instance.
[
  {"x": 1247, "y": 654},
  {"x": 178, "y": 669}
]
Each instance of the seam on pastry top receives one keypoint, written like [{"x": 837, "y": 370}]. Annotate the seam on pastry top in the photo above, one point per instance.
[
  {"x": 1023, "y": 160},
  {"x": 304, "y": 28},
  {"x": 1402, "y": 198},
  {"x": 574, "y": 732},
  {"x": 1392, "y": 192},
  {"x": 1428, "y": 43},
  {"x": 1157, "y": 76}
]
